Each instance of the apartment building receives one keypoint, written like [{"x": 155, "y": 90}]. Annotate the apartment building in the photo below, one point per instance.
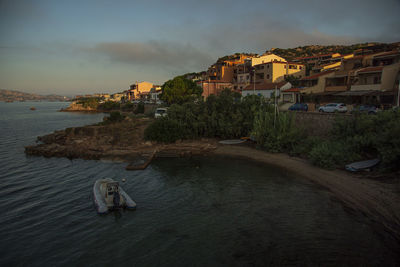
[
  {"x": 276, "y": 71},
  {"x": 138, "y": 90}
]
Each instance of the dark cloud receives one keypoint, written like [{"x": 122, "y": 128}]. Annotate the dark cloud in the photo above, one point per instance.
[{"x": 175, "y": 56}]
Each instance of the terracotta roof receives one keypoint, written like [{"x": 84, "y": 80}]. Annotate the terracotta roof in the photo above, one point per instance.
[
  {"x": 264, "y": 86},
  {"x": 355, "y": 57},
  {"x": 371, "y": 69},
  {"x": 292, "y": 90},
  {"x": 212, "y": 81},
  {"x": 387, "y": 53},
  {"x": 315, "y": 76}
]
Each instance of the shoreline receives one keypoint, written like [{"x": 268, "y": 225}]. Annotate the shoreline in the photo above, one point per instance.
[
  {"x": 124, "y": 142},
  {"x": 377, "y": 200}
]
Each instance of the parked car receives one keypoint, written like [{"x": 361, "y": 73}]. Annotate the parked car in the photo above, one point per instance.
[
  {"x": 160, "y": 112},
  {"x": 369, "y": 109},
  {"x": 299, "y": 106},
  {"x": 333, "y": 107}
]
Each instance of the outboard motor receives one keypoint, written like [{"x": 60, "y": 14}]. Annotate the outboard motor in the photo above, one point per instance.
[{"x": 116, "y": 200}]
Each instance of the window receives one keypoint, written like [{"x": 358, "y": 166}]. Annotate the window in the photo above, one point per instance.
[
  {"x": 377, "y": 79},
  {"x": 267, "y": 76}
]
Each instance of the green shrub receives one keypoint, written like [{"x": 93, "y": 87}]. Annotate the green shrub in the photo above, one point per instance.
[
  {"x": 223, "y": 116},
  {"x": 163, "y": 130},
  {"x": 109, "y": 105},
  {"x": 128, "y": 107},
  {"x": 139, "y": 108},
  {"x": 276, "y": 134}
]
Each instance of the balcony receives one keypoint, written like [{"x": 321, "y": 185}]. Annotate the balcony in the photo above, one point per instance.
[
  {"x": 337, "y": 88},
  {"x": 366, "y": 87}
]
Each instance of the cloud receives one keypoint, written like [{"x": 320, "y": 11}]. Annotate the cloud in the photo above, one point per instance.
[{"x": 174, "y": 56}]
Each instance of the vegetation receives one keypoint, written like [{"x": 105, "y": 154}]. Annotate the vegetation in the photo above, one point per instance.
[
  {"x": 114, "y": 117},
  {"x": 310, "y": 50},
  {"x": 109, "y": 105},
  {"x": 91, "y": 102},
  {"x": 224, "y": 116},
  {"x": 294, "y": 81},
  {"x": 180, "y": 90},
  {"x": 357, "y": 138},
  {"x": 276, "y": 132},
  {"x": 139, "y": 108}
]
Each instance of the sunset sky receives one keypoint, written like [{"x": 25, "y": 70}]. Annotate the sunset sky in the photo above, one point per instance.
[{"x": 73, "y": 47}]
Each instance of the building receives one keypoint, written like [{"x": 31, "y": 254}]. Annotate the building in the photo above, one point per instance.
[
  {"x": 117, "y": 97},
  {"x": 266, "y": 89},
  {"x": 315, "y": 83},
  {"x": 223, "y": 70},
  {"x": 276, "y": 71},
  {"x": 213, "y": 87},
  {"x": 291, "y": 95},
  {"x": 155, "y": 93},
  {"x": 268, "y": 57},
  {"x": 242, "y": 75},
  {"x": 139, "y": 90}
]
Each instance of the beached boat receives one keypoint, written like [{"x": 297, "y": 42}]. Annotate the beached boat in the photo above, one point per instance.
[
  {"x": 232, "y": 141},
  {"x": 108, "y": 195},
  {"x": 362, "y": 165}
]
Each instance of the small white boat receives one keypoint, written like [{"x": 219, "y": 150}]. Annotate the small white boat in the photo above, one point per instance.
[
  {"x": 362, "y": 165},
  {"x": 232, "y": 141},
  {"x": 108, "y": 195}
]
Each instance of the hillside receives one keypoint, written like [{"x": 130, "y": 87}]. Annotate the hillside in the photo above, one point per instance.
[
  {"x": 11, "y": 95},
  {"x": 310, "y": 50}
]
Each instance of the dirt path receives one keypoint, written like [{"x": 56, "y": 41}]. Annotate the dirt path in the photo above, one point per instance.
[{"x": 379, "y": 201}]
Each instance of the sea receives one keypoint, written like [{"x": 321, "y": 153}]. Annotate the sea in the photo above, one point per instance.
[{"x": 200, "y": 211}]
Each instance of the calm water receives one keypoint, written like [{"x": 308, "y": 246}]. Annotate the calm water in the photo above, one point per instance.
[{"x": 191, "y": 212}]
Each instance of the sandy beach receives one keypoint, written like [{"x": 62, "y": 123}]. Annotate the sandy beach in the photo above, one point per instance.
[{"x": 378, "y": 200}]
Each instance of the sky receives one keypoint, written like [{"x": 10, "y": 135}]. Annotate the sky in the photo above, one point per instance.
[{"x": 81, "y": 47}]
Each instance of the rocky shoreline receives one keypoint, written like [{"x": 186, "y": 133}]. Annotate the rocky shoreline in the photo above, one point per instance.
[
  {"x": 123, "y": 141},
  {"x": 75, "y": 107}
]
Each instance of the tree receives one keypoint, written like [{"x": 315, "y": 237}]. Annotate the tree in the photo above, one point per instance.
[
  {"x": 294, "y": 81},
  {"x": 180, "y": 90}
]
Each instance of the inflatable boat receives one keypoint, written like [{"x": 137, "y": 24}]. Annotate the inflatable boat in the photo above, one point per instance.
[{"x": 108, "y": 195}]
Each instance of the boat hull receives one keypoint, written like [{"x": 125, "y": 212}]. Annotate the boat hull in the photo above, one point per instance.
[{"x": 101, "y": 205}]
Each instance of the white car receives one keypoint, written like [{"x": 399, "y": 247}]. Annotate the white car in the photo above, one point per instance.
[
  {"x": 333, "y": 107},
  {"x": 160, "y": 112}
]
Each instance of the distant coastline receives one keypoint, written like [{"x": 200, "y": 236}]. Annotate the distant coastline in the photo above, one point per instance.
[{"x": 10, "y": 96}]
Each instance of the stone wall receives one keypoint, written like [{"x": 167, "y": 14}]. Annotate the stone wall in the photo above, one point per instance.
[{"x": 317, "y": 124}]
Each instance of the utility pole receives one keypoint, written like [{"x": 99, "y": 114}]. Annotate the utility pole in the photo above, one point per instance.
[
  {"x": 275, "y": 107},
  {"x": 254, "y": 81}
]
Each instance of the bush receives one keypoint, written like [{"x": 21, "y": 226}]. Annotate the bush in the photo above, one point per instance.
[
  {"x": 223, "y": 116},
  {"x": 91, "y": 102},
  {"x": 163, "y": 130},
  {"x": 279, "y": 134},
  {"x": 329, "y": 154},
  {"x": 114, "y": 117},
  {"x": 109, "y": 105},
  {"x": 139, "y": 108},
  {"x": 128, "y": 106}
]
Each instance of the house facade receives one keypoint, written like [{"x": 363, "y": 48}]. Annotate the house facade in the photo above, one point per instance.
[
  {"x": 213, "y": 87},
  {"x": 276, "y": 71},
  {"x": 138, "y": 90},
  {"x": 266, "y": 89}
]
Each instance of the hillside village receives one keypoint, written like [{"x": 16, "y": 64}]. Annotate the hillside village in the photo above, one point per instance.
[{"x": 369, "y": 74}]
